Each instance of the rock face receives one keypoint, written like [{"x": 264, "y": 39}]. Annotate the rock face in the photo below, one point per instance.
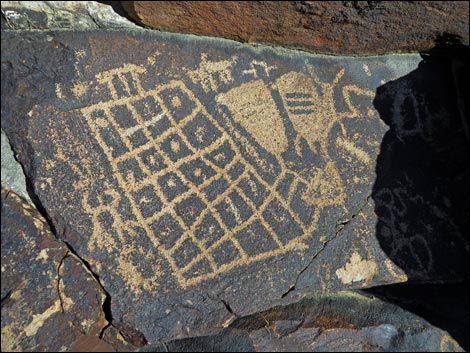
[
  {"x": 345, "y": 322},
  {"x": 49, "y": 298},
  {"x": 77, "y": 15},
  {"x": 12, "y": 175},
  {"x": 330, "y": 27},
  {"x": 192, "y": 174}
]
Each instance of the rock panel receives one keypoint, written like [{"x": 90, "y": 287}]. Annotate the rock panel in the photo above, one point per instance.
[{"x": 194, "y": 173}]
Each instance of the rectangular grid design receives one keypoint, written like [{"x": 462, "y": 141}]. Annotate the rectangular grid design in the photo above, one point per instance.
[{"x": 201, "y": 204}]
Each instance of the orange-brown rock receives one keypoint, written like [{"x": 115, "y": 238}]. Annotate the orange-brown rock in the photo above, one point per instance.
[{"x": 335, "y": 27}]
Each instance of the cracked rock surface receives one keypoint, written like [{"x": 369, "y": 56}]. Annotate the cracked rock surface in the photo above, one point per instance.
[
  {"x": 50, "y": 301},
  {"x": 193, "y": 174}
]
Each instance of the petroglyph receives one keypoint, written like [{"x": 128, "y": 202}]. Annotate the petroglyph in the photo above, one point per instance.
[
  {"x": 192, "y": 173},
  {"x": 211, "y": 73},
  {"x": 253, "y": 107},
  {"x": 357, "y": 269},
  {"x": 203, "y": 189}
]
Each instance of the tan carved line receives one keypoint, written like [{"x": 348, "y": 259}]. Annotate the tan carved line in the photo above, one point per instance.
[
  {"x": 240, "y": 262},
  {"x": 147, "y": 123},
  {"x": 231, "y": 233},
  {"x": 250, "y": 203},
  {"x": 257, "y": 213},
  {"x": 122, "y": 184},
  {"x": 206, "y": 210},
  {"x": 292, "y": 189},
  {"x": 138, "y": 85},
  {"x": 190, "y": 186},
  {"x": 181, "y": 197}
]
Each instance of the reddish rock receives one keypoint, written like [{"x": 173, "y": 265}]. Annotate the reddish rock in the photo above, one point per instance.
[
  {"x": 91, "y": 344},
  {"x": 339, "y": 27}
]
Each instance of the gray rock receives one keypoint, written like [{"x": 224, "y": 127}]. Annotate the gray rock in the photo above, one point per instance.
[
  {"x": 77, "y": 15},
  {"x": 383, "y": 336},
  {"x": 12, "y": 172}
]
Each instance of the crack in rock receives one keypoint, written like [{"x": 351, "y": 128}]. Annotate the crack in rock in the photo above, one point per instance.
[
  {"x": 340, "y": 225},
  {"x": 58, "y": 281}
]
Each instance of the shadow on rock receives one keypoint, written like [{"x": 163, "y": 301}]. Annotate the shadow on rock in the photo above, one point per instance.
[{"x": 422, "y": 188}]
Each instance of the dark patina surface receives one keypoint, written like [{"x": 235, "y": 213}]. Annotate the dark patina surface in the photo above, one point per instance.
[
  {"x": 204, "y": 180},
  {"x": 49, "y": 298}
]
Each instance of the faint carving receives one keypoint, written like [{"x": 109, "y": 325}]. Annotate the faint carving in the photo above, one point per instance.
[{"x": 211, "y": 74}]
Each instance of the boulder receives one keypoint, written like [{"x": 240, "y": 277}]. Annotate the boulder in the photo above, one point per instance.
[
  {"x": 329, "y": 27},
  {"x": 203, "y": 180},
  {"x": 342, "y": 322}
]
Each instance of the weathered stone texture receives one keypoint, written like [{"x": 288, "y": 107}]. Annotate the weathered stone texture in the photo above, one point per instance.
[
  {"x": 49, "y": 299},
  {"x": 345, "y": 322},
  {"x": 77, "y": 15},
  {"x": 192, "y": 174},
  {"x": 330, "y": 27},
  {"x": 12, "y": 176}
]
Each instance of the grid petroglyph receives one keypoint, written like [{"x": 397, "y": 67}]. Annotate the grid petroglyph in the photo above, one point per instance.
[{"x": 200, "y": 187}]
